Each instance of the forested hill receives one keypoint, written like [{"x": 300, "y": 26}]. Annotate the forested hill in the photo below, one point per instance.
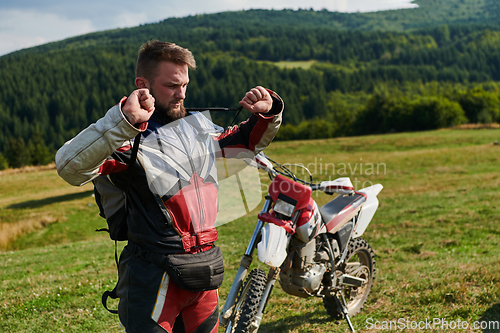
[
  {"x": 429, "y": 13},
  {"x": 339, "y": 74}
]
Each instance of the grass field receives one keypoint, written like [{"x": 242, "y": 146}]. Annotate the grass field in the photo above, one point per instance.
[
  {"x": 295, "y": 64},
  {"x": 436, "y": 237}
]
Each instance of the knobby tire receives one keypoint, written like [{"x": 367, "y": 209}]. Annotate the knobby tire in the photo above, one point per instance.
[{"x": 250, "y": 297}]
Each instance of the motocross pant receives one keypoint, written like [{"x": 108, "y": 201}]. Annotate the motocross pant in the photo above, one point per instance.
[{"x": 150, "y": 302}]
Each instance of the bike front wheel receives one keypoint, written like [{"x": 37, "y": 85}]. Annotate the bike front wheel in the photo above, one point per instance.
[{"x": 247, "y": 306}]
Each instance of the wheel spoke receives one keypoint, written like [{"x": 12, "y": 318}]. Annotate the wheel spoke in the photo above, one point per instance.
[{"x": 360, "y": 262}]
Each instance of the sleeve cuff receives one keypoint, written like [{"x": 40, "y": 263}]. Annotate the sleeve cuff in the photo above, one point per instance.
[
  {"x": 277, "y": 108},
  {"x": 142, "y": 126}
]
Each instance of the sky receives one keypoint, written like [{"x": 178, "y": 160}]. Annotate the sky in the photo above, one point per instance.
[{"x": 27, "y": 23}]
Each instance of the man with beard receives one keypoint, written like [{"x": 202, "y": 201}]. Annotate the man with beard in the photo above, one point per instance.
[{"x": 168, "y": 196}]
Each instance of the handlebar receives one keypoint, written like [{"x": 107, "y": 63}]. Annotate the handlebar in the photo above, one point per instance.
[{"x": 273, "y": 168}]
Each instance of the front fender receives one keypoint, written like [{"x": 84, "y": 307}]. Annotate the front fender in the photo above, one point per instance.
[{"x": 272, "y": 247}]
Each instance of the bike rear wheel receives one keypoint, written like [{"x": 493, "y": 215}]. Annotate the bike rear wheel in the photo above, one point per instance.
[
  {"x": 360, "y": 262},
  {"x": 247, "y": 306}
]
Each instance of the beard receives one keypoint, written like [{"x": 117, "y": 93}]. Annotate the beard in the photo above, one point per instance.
[{"x": 170, "y": 114}]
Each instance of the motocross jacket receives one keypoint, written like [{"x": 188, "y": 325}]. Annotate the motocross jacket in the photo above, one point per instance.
[{"x": 171, "y": 200}]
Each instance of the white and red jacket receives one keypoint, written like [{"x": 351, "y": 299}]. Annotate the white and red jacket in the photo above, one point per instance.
[{"x": 171, "y": 205}]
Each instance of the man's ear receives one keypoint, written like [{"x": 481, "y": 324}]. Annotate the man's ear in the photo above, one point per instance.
[{"x": 141, "y": 83}]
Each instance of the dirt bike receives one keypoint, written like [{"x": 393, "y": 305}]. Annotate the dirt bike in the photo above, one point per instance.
[{"x": 312, "y": 251}]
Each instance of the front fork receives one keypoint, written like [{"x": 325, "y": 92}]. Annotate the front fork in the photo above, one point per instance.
[
  {"x": 271, "y": 279},
  {"x": 245, "y": 262}
]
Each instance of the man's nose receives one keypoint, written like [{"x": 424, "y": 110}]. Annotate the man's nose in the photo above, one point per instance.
[{"x": 180, "y": 93}]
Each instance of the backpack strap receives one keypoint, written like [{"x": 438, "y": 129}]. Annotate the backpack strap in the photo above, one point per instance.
[
  {"x": 112, "y": 294},
  {"x": 133, "y": 157}
]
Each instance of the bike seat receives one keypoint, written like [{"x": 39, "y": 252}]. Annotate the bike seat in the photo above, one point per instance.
[{"x": 340, "y": 210}]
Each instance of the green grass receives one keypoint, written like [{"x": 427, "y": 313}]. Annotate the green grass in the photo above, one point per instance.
[
  {"x": 436, "y": 237},
  {"x": 57, "y": 288},
  {"x": 45, "y": 209}
]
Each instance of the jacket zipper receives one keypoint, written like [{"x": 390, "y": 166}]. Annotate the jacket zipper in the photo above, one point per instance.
[{"x": 198, "y": 194}]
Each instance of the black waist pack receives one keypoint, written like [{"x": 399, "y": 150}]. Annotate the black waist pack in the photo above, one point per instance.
[{"x": 194, "y": 272}]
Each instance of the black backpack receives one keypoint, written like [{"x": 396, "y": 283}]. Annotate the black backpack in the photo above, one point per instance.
[{"x": 112, "y": 203}]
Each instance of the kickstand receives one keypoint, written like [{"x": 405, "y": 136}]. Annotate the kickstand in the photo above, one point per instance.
[{"x": 344, "y": 310}]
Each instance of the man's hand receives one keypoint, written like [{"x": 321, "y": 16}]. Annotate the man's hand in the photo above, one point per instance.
[
  {"x": 257, "y": 100},
  {"x": 139, "y": 106}
]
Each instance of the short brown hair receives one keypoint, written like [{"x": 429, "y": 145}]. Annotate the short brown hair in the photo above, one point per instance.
[{"x": 153, "y": 52}]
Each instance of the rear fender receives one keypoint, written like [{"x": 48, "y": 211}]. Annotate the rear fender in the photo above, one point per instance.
[{"x": 368, "y": 210}]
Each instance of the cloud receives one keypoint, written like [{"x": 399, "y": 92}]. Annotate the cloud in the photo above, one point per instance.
[
  {"x": 371, "y": 5},
  {"x": 22, "y": 29},
  {"x": 129, "y": 19}
]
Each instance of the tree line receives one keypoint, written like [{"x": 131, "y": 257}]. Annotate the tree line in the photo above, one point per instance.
[{"x": 361, "y": 81}]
